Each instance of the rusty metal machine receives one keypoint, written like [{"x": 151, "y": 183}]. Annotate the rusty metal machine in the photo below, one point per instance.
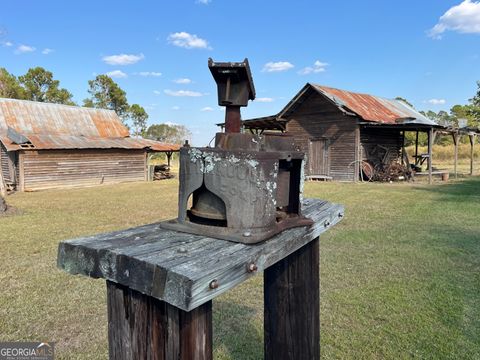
[{"x": 248, "y": 187}]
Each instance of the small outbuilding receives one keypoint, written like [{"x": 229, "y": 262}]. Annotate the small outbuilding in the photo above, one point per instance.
[
  {"x": 46, "y": 145},
  {"x": 343, "y": 133}
]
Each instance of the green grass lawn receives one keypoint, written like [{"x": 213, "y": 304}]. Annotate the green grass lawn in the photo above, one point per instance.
[{"x": 400, "y": 275}]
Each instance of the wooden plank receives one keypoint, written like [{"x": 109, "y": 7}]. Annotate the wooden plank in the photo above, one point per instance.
[
  {"x": 21, "y": 170},
  {"x": 292, "y": 306},
  {"x": 3, "y": 186},
  {"x": 142, "y": 327},
  {"x": 472, "y": 151},
  {"x": 179, "y": 268},
  {"x": 455, "y": 156},
  {"x": 357, "y": 154},
  {"x": 430, "y": 147}
]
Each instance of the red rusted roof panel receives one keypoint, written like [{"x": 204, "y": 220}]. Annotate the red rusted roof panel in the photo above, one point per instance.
[
  {"x": 368, "y": 107},
  {"x": 30, "y": 117},
  {"x": 55, "y": 126}
]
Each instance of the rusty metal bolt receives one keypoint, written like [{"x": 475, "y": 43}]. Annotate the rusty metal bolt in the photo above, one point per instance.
[
  {"x": 326, "y": 223},
  {"x": 340, "y": 215},
  {"x": 247, "y": 234},
  {"x": 252, "y": 267},
  {"x": 213, "y": 284}
]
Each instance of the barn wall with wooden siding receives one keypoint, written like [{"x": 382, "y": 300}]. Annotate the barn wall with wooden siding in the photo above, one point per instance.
[
  {"x": 46, "y": 169},
  {"x": 376, "y": 142},
  {"x": 4, "y": 162},
  {"x": 8, "y": 164},
  {"x": 317, "y": 118}
]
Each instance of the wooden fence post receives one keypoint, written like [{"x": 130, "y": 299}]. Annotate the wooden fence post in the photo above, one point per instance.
[
  {"x": 292, "y": 306},
  {"x": 455, "y": 142},
  {"x": 142, "y": 327},
  {"x": 472, "y": 138}
]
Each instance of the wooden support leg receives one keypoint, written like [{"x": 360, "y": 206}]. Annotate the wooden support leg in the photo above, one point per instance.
[
  {"x": 472, "y": 151},
  {"x": 292, "y": 306},
  {"x": 142, "y": 327},
  {"x": 430, "y": 146},
  {"x": 455, "y": 155}
]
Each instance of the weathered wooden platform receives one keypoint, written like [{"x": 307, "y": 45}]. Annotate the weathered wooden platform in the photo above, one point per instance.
[{"x": 186, "y": 270}]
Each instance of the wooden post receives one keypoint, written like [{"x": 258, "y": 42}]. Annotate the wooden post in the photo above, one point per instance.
[
  {"x": 3, "y": 187},
  {"x": 455, "y": 156},
  {"x": 142, "y": 327},
  {"x": 358, "y": 157},
  {"x": 416, "y": 148},
  {"x": 430, "y": 146},
  {"x": 403, "y": 147},
  {"x": 292, "y": 306},
  {"x": 169, "y": 157},
  {"x": 472, "y": 151}
]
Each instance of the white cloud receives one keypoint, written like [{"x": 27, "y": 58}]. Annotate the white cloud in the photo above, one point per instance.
[
  {"x": 264, "y": 100},
  {"x": 123, "y": 59},
  {"x": 317, "y": 67},
  {"x": 22, "y": 49},
  {"x": 436, "y": 101},
  {"x": 183, "y": 93},
  {"x": 175, "y": 107},
  {"x": 463, "y": 18},
  {"x": 156, "y": 92},
  {"x": 47, "y": 51},
  {"x": 7, "y": 43},
  {"x": 207, "y": 108},
  {"x": 204, "y": 2},
  {"x": 119, "y": 74},
  {"x": 277, "y": 66},
  {"x": 188, "y": 41},
  {"x": 182, "y": 81},
  {"x": 149, "y": 73}
]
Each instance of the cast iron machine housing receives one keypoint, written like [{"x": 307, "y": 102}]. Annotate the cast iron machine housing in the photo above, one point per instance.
[{"x": 248, "y": 187}]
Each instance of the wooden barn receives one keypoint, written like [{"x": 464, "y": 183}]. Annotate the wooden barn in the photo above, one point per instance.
[
  {"x": 50, "y": 145},
  {"x": 341, "y": 132}
]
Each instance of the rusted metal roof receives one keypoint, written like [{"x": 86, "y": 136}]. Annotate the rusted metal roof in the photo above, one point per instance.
[
  {"x": 369, "y": 108},
  {"x": 56, "y": 126},
  {"x": 30, "y": 117},
  {"x": 374, "y": 108}
]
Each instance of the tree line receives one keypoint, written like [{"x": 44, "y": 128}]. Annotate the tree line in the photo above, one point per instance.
[{"x": 38, "y": 84}]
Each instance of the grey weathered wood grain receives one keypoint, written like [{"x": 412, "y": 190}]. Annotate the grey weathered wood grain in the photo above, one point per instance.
[{"x": 177, "y": 267}]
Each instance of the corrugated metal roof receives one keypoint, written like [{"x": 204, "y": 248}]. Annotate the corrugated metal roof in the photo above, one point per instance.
[
  {"x": 56, "y": 126},
  {"x": 49, "y": 142},
  {"x": 30, "y": 117},
  {"x": 374, "y": 108}
]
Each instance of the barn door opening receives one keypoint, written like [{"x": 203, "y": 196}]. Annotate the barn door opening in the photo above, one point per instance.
[{"x": 318, "y": 157}]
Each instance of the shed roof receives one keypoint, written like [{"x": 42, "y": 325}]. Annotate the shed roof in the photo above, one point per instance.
[
  {"x": 369, "y": 108},
  {"x": 374, "y": 108},
  {"x": 38, "y": 126}
]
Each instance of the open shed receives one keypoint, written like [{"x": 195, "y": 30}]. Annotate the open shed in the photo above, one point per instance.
[
  {"x": 50, "y": 145},
  {"x": 342, "y": 131}
]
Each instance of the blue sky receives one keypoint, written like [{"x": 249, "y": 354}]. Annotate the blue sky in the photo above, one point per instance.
[{"x": 425, "y": 51}]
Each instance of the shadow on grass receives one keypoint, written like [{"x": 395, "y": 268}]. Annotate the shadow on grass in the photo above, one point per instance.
[
  {"x": 235, "y": 332},
  {"x": 465, "y": 188}
]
